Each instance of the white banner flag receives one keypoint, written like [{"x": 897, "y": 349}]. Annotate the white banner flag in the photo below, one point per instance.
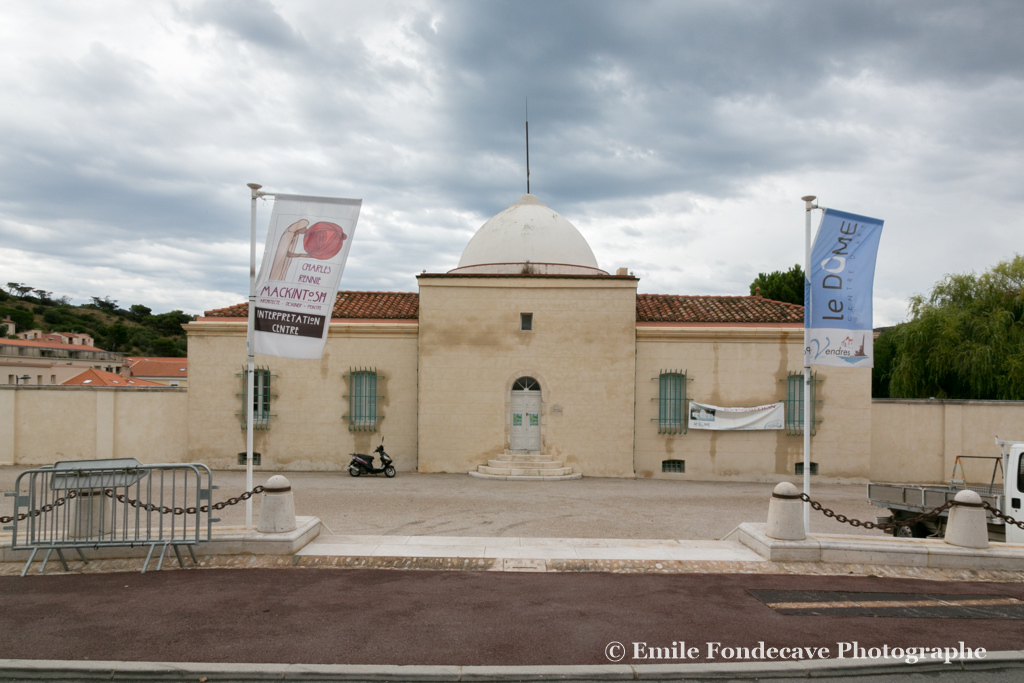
[
  {"x": 704, "y": 416},
  {"x": 307, "y": 245}
]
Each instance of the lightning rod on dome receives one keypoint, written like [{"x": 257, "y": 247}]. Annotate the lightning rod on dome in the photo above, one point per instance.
[{"x": 527, "y": 145}]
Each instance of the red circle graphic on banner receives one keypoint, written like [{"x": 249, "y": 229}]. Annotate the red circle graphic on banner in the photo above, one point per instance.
[{"x": 323, "y": 240}]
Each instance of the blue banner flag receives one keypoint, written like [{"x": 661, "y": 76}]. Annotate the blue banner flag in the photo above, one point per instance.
[{"x": 838, "y": 290}]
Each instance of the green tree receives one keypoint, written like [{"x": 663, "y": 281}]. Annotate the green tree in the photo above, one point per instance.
[
  {"x": 138, "y": 312},
  {"x": 164, "y": 347},
  {"x": 965, "y": 340},
  {"x": 105, "y": 304},
  {"x": 881, "y": 375},
  {"x": 780, "y": 285},
  {"x": 23, "y": 320},
  {"x": 117, "y": 336},
  {"x": 169, "y": 324},
  {"x": 53, "y": 316}
]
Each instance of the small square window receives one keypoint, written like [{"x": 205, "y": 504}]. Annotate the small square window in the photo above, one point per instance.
[
  {"x": 255, "y": 459},
  {"x": 673, "y": 466},
  {"x": 799, "y": 468},
  {"x": 526, "y": 321}
]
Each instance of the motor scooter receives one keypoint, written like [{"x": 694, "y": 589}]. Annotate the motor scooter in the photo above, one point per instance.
[{"x": 363, "y": 464}]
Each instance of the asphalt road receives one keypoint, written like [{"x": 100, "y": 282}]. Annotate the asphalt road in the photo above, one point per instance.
[{"x": 337, "y": 616}]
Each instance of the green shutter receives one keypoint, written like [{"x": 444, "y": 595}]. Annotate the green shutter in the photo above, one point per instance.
[
  {"x": 672, "y": 402},
  {"x": 795, "y": 403},
  {"x": 260, "y": 398},
  {"x": 362, "y": 399}
]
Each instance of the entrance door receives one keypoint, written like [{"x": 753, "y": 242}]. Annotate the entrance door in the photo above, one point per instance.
[{"x": 525, "y": 417}]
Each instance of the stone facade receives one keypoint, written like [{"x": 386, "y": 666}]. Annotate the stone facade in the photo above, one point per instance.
[
  {"x": 447, "y": 372},
  {"x": 307, "y": 429},
  {"x": 581, "y": 351}
]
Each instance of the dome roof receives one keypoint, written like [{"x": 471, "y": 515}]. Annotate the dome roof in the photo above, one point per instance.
[{"x": 528, "y": 237}]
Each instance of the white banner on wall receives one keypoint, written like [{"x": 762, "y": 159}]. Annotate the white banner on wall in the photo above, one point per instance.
[
  {"x": 704, "y": 416},
  {"x": 307, "y": 245}
]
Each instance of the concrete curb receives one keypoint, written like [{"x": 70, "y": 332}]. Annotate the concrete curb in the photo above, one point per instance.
[
  {"x": 224, "y": 541},
  {"x": 895, "y": 552},
  {"x": 27, "y": 669}
]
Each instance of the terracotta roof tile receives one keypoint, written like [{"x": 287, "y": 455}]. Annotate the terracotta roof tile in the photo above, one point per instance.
[
  {"x": 49, "y": 345},
  {"x": 649, "y": 308},
  {"x": 365, "y": 305},
  {"x": 101, "y": 378},
  {"x": 159, "y": 367},
  {"x": 673, "y": 308}
]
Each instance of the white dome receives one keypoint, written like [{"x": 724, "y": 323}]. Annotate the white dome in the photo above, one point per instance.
[{"x": 528, "y": 237}]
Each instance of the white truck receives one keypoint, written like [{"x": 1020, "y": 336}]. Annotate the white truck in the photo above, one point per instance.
[{"x": 1004, "y": 492}]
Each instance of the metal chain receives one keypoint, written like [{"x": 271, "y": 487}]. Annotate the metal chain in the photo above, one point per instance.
[
  {"x": 149, "y": 507},
  {"x": 164, "y": 510},
  {"x": 46, "y": 508},
  {"x": 882, "y": 526},
  {"x": 1006, "y": 518}
]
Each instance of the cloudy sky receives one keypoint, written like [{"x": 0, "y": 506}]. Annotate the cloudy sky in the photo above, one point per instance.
[{"x": 677, "y": 136}]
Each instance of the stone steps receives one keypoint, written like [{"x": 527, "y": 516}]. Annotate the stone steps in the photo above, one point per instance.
[
  {"x": 534, "y": 464},
  {"x": 480, "y": 475},
  {"x": 528, "y": 466},
  {"x": 523, "y": 471},
  {"x": 527, "y": 456}
]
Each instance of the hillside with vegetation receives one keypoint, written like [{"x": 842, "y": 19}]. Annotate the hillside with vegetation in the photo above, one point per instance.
[{"x": 134, "y": 331}]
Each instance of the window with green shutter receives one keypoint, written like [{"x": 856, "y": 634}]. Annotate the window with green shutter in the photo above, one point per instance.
[
  {"x": 362, "y": 399},
  {"x": 795, "y": 403},
  {"x": 260, "y": 398},
  {"x": 672, "y": 401}
]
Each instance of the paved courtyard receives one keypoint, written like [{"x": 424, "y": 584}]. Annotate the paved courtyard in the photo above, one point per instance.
[{"x": 414, "y": 504}]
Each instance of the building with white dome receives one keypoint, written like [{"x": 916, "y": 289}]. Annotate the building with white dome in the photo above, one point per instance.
[
  {"x": 529, "y": 360},
  {"x": 528, "y": 238}
]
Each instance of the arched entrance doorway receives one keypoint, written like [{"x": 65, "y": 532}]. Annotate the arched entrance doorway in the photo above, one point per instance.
[{"x": 524, "y": 434}]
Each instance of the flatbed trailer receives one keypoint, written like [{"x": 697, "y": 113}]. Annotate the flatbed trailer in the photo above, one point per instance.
[{"x": 905, "y": 501}]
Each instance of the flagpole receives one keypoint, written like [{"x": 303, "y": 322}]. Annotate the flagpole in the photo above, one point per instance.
[
  {"x": 808, "y": 206},
  {"x": 250, "y": 368}
]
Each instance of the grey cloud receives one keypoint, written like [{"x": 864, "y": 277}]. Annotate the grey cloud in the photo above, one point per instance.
[
  {"x": 631, "y": 231},
  {"x": 100, "y": 78},
  {"x": 629, "y": 103},
  {"x": 255, "y": 21}
]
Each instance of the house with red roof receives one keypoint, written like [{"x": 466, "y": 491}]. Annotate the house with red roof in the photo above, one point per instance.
[
  {"x": 73, "y": 338},
  {"x": 171, "y": 372},
  {"x": 101, "y": 378},
  {"x": 529, "y": 360},
  {"x": 52, "y": 359}
]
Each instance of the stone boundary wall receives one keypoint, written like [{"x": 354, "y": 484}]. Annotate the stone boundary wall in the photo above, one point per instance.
[
  {"x": 40, "y": 425},
  {"x": 917, "y": 440}
]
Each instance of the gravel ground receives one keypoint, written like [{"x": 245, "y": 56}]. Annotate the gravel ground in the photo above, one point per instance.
[{"x": 414, "y": 504}]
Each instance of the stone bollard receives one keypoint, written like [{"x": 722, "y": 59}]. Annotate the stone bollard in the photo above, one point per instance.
[
  {"x": 87, "y": 515},
  {"x": 786, "y": 514},
  {"x": 277, "y": 509},
  {"x": 967, "y": 526}
]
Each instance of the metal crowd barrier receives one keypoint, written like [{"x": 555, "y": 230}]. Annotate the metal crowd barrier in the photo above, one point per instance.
[{"x": 80, "y": 504}]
